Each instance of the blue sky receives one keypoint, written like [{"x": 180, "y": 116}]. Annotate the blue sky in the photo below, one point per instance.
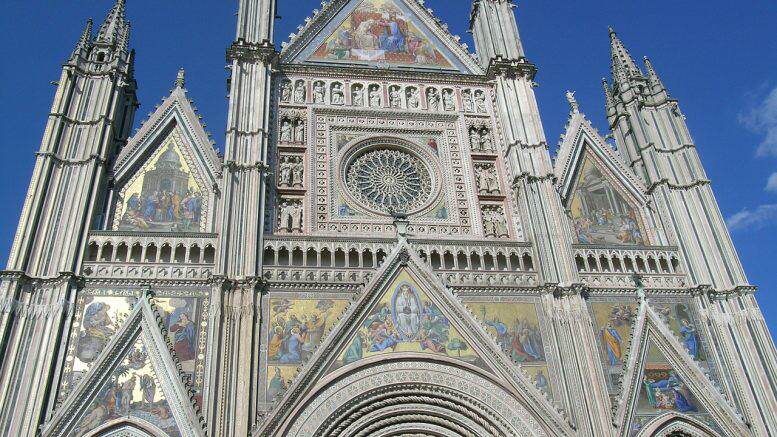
[{"x": 719, "y": 59}]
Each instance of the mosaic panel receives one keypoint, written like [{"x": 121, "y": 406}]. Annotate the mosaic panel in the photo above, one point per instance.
[
  {"x": 133, "y": 390},
  {"x": 380, "y": 32},
  {"x": 600, "y": 214},
  {"x": 296, "y": 329},
  {"x": 405, "y": 319},
  {"x": 165, "y": 195}
]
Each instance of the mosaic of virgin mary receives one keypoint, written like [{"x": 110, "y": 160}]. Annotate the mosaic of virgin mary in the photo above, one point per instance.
[{"x": 379, "y": 31}]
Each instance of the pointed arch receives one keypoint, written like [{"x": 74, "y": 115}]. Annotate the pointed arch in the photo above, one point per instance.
[
  {"x": 676, "y": 425},
  {"x": 127, "y": 427}
]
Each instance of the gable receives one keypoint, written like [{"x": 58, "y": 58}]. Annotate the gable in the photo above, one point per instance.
[
  {"x": 404, "y": 315},
  {"x": 384, "y": 34},
  {"x": 662, "y": 391},
  {"x": 662, "y": 381},
  {"x": 132, "y": 391},
  {"x": 600, "y": 213},
  {"x": 406, "y": 319},
  {"x": 136, "y": 378},
  {"x": 167, "y": 192}
]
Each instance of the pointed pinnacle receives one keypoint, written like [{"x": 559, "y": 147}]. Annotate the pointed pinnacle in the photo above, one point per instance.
[
  {"x": 608, "y": 99},
  {"x": 114, "y": 22},
  {"x": 621, "y": 59},
  {"x": 86, "y": 36},
  {"x": 180, "y": 80}
]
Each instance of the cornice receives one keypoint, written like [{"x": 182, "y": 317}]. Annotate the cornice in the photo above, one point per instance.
[
  {"x": 248, "y": 52},
  {"x": 380, "y": 74},
  {"x": 511, "y": 68}
]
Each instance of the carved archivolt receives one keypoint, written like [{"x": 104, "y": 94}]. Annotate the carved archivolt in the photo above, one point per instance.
[{"x": 418, "y": 397}]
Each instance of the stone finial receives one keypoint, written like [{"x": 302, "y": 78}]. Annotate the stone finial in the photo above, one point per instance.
[
  {"x": 573, "y": 101},
  {"x": 180, "y": 80}
]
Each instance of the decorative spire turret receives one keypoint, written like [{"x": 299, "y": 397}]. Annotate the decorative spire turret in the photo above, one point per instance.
[
  {"x": 495, "y": 31},
  {"x": 115, "y": 30},
  {"x": 85, "y": 41},
  {"x": 624, "y": 68},
  {"x": 656, "y": 85},
  {"x": 608, "y": 99}
]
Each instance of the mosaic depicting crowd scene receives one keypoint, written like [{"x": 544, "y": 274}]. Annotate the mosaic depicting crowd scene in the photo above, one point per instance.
[
  {"x": 163, "y": 210},
  {"x": 378, "y": 30},
  {"x": 599, "y": 213},
  {"x": 132, "y": 390},
  {"x": 294, "y": 336},
  {"x": 405, "y": 322}
]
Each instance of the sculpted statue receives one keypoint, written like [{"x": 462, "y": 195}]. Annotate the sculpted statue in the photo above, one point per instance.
[
  {"x": 290, "y": 218},
  {"x": 284, "y": 174},
  {"x": 286, "y": 91},
  {"x": 413, "y": 98},
  {"x": 486, "y": 144},
  {"x": 299, "y": 131},
  {"x": 494, "y": 224},
  {"x": 474, "y": 139},
  {"x": 319, "y": 92},
  {"x": 299, "y": 92},
  {"x": 447, "y": 100},
  {"x": 297, "y": 173},
  {"x": 358, "y": 95},
  {"x": 286, "y": 131},
  {"x": 480, "y": 102},
  {"x": 433, "y": 99},
  {"x": 395, "y": 97},
  {"x": 466, "y": 98},
  {"x": 375, "y": 96},
  {"x": 487, "y": 180},
  {"x": 338, "y": 96}
]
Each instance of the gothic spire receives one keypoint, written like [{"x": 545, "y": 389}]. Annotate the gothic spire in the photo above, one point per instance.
[
  {"x": 655, "y": 81},
  {"x": 86, "y": 38},
  {"x": 608, "y": 98},
  {"x": 623, "y": 65},
  {"x": 115, "y": 29}
]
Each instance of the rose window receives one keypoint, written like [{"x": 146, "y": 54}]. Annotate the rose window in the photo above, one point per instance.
[{"x": 390, "y": 181}]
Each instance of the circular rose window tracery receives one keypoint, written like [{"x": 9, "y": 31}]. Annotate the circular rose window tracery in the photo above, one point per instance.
[{"x": 389, "y": 181}]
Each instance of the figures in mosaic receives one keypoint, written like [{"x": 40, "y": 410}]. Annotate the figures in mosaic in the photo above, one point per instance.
[
  {"x": 163, "y": 198},
  {"x": 379, "y": 32},
  {"x": 405, "y": 320},
  {"x": 517, "y": 330},
  {"x": 600, "y": 214},
  {"x": 131, "y": 391}
]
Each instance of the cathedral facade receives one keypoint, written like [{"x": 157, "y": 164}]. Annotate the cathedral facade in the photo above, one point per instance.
[{"x": 386, "y": 247}]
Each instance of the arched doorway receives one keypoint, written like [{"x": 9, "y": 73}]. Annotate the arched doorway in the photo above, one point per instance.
[
  {"x": 675, "y": 425},
  {"x": 410, "y": 396},
  {"x": 127, "y": 427}
]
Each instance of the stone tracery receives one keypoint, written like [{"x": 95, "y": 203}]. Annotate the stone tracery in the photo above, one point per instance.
[{"x": 391, "y": 181}]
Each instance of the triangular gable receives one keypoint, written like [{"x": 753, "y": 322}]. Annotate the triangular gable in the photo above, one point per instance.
[
  {"x": 166, "y": 174},
  {"x": 396, "y": 34},
  {"x": 581, "y": 138},
  {"x": 405, "y": 280},
  {"x": 663, "y": 380},
  {"x": 604, "y": 199},
  {"x": 134, "y": 373}
]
